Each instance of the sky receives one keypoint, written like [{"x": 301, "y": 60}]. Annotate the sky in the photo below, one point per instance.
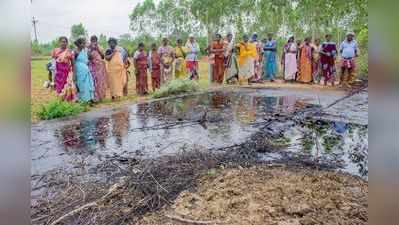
[{"x": 55, "y": 17}]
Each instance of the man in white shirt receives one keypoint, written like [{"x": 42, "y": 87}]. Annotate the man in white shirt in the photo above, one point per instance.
[{"x": 349, "y": 51}]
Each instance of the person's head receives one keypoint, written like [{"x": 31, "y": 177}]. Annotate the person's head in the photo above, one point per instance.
[
  {"x": 165, "y": 41},
  {"x": 254, "y": 36},
  {"x": 112, "y": 42},
  {"x": 350, "y": 36},
  {"x": 307, "y": 40},
  {"x": 317, "y": 41},
  {"x": 141, "y": 46},
  {"x": 63, "y": 42},
  {"x": 218, "y": 37},
  {"x": 179, "y": 42},
  {"x": 245, "y": 38},
  {"x": 229, "y": 36},
  {"x": 291, "y": 39},
  {"x": 298, "y": 42},
  {"x": 93, "y": 39},
  {"x": 191, "y": 38},
  {"x": 154, "y": 46},
  {"x": 80, "y": 43},
  {"x": 328, "y": 37},
  {"x": 269, "y": 36}
]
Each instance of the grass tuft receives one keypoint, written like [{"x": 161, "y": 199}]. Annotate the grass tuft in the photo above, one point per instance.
[
  {"x": 176, "y": 87},
  {"x": 57, "y": 109}
]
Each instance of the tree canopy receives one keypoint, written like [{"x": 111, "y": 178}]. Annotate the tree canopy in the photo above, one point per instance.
[
  {"x": 77, "y": 31},
  {"x": 282, "y": 17}
]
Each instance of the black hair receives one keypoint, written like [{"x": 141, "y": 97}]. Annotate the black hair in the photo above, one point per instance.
[
  {"x": 179, "y": 40},
  {"x": 63, "y": 38},
  {"x": 79, "y": 41},
  {"x": 112, "y": 40},
  {"x": 141, "y": 44},
  {"x": 93, "y": 38}
]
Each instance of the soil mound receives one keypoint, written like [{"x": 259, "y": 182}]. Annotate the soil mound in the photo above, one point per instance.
[{"x": 265, "y": 195}]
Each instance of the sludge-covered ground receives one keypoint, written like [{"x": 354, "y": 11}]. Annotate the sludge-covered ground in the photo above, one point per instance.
[{"x": 153, "y": 151}]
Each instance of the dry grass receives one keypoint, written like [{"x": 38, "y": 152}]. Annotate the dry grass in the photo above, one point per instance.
[{"x": 267, "y": 195}]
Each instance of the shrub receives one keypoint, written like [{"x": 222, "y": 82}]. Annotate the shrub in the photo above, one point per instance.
[
  {"x": 176, "y": 87},
  {"x": 58, "y": 108}
]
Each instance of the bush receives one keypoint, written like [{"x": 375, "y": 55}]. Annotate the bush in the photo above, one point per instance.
[
  {"x": 176, "y": 87},
  {"x": 58, "y": 108}
]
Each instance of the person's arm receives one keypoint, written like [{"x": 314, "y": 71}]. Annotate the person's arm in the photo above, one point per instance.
[
  {"x": 341, "y": 48},
  {"x": 89, "y": 55},
  {"x": 109, "y": 56},
  {"x": 101, "y": 52},
  {"x": 322, "y": 52}
]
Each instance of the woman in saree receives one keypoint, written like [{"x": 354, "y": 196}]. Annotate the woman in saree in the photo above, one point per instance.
[
  {"x": 246, "y": 57},
  {"x": 258, "y": 60},
  {"x": 116, "y": 58},
  {"x": 231, "y": 64},
  {"x": 289, "y": 59},
  {"x": 63, "y": 63},
  {"x": 316, "y": 61},
  {"x": 269, "y": 58},
  {"x": 82, "y": 75},
  {"x": 140, "y": 64},
  {"x": 154, "y": 64},
  {"x": 192, "y": 57},
  {"x": 166, "y": 53},
  {"x": 328, "y": 53},
  {"x": 217, "y": 48},
  {"x": 180, "y": 57},
  {"x": 305, "y": 57},
  {"x": 97, "y": 69}
]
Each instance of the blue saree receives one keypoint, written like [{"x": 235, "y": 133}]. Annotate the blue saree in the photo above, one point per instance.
[
  {"x": 84, "y": 79},
  {"x": 269, "y": 60}
]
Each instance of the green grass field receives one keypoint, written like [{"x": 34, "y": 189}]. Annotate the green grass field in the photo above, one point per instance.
[{"x": 41, "y": 95}]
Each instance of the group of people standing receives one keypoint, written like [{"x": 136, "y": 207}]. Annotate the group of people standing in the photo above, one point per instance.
[
  {"x": 87, "y": 72},
  {"x": 165, "y": 63},
  {"x": 306, "y": 62}
]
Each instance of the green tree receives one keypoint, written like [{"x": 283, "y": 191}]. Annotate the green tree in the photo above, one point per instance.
[
  {"x": 77, "y": 31},
  {"x": 102, "y": 41}
]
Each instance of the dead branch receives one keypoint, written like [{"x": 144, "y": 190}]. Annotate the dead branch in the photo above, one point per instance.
[{"x": 180, "y": 219}]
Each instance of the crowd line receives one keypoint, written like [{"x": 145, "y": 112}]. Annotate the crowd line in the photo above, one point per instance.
[{"x": 87, "y": 72}]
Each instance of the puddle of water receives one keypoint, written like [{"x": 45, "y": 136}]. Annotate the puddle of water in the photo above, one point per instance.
[{"x": 210, "y": 120}]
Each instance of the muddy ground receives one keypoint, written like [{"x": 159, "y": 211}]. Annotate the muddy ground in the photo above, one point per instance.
[{"x": 268, "y": 195}]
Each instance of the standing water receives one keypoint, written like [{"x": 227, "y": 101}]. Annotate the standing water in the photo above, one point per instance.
[{"x": 337, "y": 138}]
